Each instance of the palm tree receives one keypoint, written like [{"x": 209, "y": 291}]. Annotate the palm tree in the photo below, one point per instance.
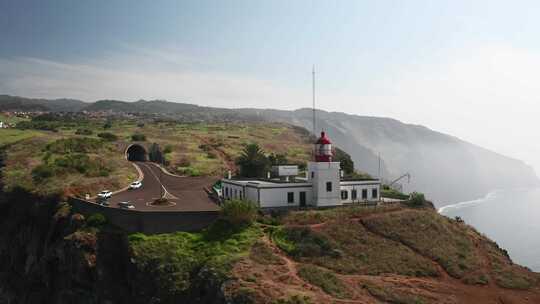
[{"x": 252, "y": 161}]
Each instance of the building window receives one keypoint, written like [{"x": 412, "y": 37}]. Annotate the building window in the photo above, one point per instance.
[
  {"x": 364, "y": 193},
  {"x": 312, "y": 174},
  {"x": 353, "y": 194},
  {"x": 328, "y": 186},
  {"x": 226, "y": 192},
  {"x": 374, "y": 193},
  {"x": 290, "y": 197},
  {"x": 344, "y": 194},
  {"x": 235, "y": 193},
  {"x": 241, "y": 193}
]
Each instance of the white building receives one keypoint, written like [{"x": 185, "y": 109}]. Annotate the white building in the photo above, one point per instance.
[{"x": 323, "y": 185}]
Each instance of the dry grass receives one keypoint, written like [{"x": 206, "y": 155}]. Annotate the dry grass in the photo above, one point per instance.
[
  {"x": 433, "y": 236},
  {"x": 311, "y": 217}
]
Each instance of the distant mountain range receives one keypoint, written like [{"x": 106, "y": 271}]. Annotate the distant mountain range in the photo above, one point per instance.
[{"x": 446, "y": 168}]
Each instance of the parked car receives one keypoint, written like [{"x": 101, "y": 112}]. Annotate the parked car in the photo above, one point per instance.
[
  {"x": 126, "y": 205},
  {"x": 104, "y": 203},
  {"x": 135, "y": 185},
  {"x": 105, "y": 194}
]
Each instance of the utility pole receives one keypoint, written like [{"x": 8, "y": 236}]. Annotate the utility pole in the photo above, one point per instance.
[
  {"x": 379, "y": 172},
  {"x": 313, "y": 80}
]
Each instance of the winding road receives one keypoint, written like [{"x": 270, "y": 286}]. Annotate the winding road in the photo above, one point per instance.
[{"x": 184, "y": 193}]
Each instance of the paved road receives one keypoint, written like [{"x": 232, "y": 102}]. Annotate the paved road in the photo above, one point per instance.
[{"x": 185, "y": 193}]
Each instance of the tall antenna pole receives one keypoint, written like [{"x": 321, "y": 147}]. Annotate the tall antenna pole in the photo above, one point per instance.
[
  {"x": 379, "y": 172},
  {"x": 314, "y": 127}
]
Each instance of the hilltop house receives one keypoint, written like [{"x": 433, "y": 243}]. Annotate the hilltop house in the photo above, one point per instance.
[{"x": 323, "y": 185}]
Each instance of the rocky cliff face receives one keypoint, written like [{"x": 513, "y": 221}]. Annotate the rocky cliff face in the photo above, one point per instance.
[{"x": 50, "y": 255}]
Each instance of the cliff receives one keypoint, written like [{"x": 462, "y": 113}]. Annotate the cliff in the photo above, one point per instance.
[{"x": 395, "y": 254}]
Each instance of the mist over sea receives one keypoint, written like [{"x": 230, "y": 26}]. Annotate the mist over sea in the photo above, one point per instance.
[{"x": 509, "y": 217}]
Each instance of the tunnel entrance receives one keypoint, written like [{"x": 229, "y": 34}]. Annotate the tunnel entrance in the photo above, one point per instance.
[{"x": 136, "y": 153}]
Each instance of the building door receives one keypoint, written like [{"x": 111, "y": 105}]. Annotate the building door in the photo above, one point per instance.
[{"x": 302, "y": 199}]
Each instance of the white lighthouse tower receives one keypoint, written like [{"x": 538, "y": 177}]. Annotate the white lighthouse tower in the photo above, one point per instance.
[{"x": 324, "y": 174}]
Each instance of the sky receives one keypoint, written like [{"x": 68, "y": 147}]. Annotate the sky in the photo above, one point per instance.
[{"x": 466, "y": 68}]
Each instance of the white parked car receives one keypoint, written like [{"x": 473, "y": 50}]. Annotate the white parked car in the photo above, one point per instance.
[
  {"x": 135, "y": 185},
  {"x": 105, "y": 194},
  {"x": 126, "y": 205}
]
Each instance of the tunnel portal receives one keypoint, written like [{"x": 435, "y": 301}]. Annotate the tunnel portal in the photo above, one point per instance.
[{"x": 136, "y": 153}]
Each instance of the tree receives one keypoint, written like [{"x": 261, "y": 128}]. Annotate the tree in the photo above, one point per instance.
[
  {"x": 155, "y": 154},
  {"x": 252, "y": 161},
  {"x": 346, "y": 163},
  {"x": 276, "y": 159}
]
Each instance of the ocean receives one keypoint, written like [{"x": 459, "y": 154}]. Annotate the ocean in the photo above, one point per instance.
[{"x": 509, "y": 217}]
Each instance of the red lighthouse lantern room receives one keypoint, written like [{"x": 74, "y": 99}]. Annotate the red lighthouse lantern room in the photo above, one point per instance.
[{"x": 323, "y": 149}]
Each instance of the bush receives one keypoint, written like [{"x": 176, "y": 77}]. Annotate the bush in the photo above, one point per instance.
[
  {"x": 96, "y": 220},
  {"x": 83, "y": 132},
  {"x": 138, "y": 137},
  {"x": 167, "y": 149},
  {"x": 325, "y": 279},
  {"x": 302, "y": 242},
  {"x": 239, "y": 212},
  {"x": 75, "y": 145},
  {"x": 42, "y": 172},
  {"x": 107, "y": 136},
  {"x": 417, "y": 199}
]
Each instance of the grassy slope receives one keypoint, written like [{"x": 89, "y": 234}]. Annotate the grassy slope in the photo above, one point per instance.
[
  {"x": 197, "y": 149},
  {"x": 390, "y": 254}
]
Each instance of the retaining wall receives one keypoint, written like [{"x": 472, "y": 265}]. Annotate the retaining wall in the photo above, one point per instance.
[{"x": 148, "y": 222}]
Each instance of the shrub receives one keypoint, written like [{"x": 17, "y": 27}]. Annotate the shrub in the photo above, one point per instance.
[
  {"x": 417, "y": 199},
  {"x": 138, "y": 137},
  {"x": 107, "y": 136},
  {"x": 42, "y": 172},
  {"x": 96, "y": 220},
  {"x": 325, "y": 279},
  {"x": 39, "y": 125},
  {"x": 239, "y": 212},
  {"x": 107, "y": 125},
  {"x": 75, "y": 145},
  {"x": 140, "y": 125},
  {"x": 83, "y": 132},
  {"x": 302, "y": 242},
  {"x": 167, "y": 149}
]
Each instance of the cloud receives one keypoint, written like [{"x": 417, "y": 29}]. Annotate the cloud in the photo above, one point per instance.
[
  {"x": 485, "y": 94},
  {"x": 154, "y": 75}
]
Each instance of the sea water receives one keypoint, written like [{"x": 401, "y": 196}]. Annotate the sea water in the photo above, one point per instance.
[{"x": 509, "y": 217}]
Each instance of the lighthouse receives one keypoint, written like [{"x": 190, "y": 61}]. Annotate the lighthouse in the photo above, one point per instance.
[
  {"x": 324, "y": 174},
  {"x": 323, "y": 149}
]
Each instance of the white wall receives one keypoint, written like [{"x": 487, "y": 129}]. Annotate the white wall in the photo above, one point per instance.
[
  {"x": 324, "y": 172},
  {"x": 359, "y": 187},
  {"x": 277, "y": 197}
]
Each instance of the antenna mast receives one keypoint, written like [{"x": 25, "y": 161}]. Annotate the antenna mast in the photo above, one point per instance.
[{"x": 314, "y": 129}]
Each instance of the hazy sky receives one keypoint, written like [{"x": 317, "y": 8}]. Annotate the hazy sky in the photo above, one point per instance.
[{"x": 466, "y": 68}]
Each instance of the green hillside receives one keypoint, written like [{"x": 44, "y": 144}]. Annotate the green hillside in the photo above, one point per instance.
[{"x": 76, "y": 158}]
